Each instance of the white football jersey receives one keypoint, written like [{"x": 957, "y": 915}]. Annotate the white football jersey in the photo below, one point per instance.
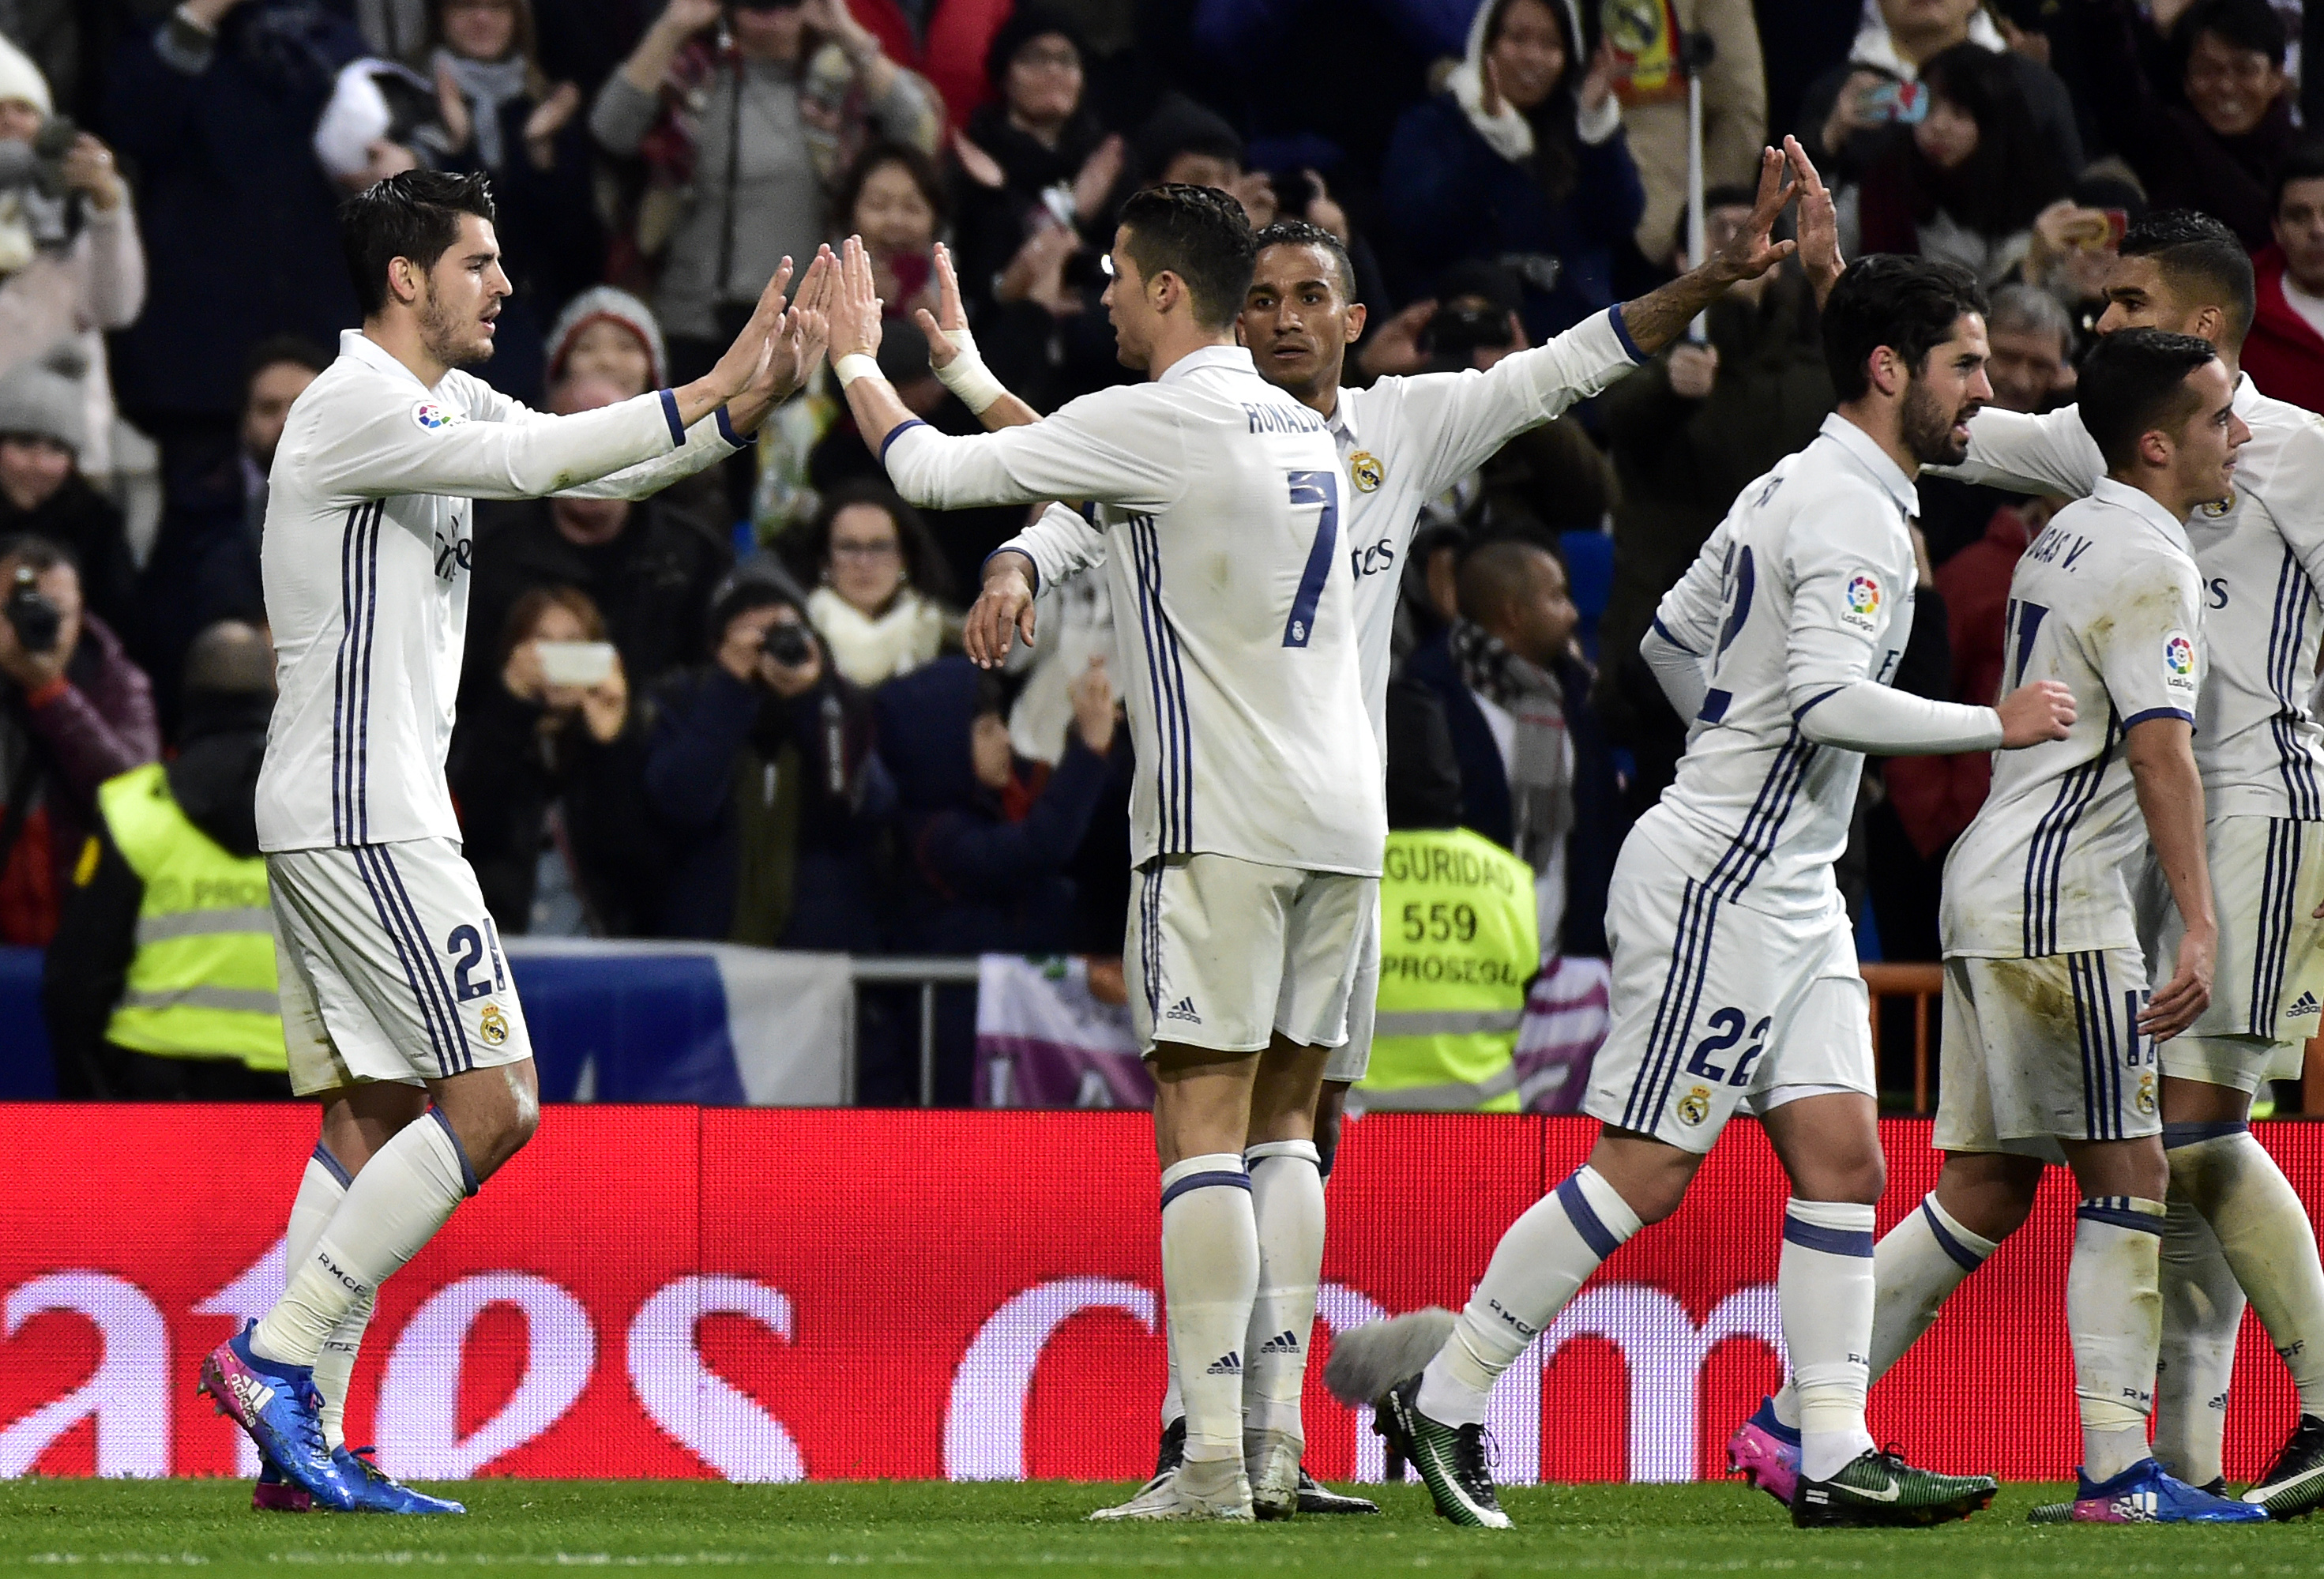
[
  {"x": 1402, "y": 442},
  {"x": 366, "y": 564},
  {"x": 1222, "y": 506},
  {"x": 1806, "y": 588},
  {"x": 2258, "y": 740},
  {"x": 2108, "y": 600}
]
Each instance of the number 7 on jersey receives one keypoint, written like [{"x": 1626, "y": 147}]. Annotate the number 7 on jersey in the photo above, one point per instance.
[{"x": 1318, "y": 488}]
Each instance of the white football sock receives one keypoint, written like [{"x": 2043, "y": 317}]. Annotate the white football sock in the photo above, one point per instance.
[
  {"x": 1174, "y": 1402},
  {"x": 1824, "y": 1289},
  {"x": 1546, "y": 1254},
  {"x": 1286, "y": 1199},
  {"x": 394, "y": 1207},
  {"x": 1210, "y": 1274},
  {"x": 2202, "y": 1306},
  {"x": 2114, "y": 1311},
  {"x": 2265, "y": 1235},
  {"x": 1915, "y": 1268},
  {"x": 321, "y": 1189}
]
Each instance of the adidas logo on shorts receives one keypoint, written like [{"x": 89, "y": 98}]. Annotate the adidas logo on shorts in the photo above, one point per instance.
[
  {"x": 1282, "y": 1343},
  {"x": 2303, "y": 1006},
  {"x": 1227, "y": 1364},
  {"x": 1184, "y": 1009}
]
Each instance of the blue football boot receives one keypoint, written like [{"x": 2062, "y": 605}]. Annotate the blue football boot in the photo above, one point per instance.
[
  {"x": 2144, "y": 1494},
  {"x": 278, "y": 1405},
  {"x": 376, "y": 1492}
]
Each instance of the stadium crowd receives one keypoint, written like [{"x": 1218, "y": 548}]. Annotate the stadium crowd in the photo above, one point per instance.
[{"x": 739, "y": 710}]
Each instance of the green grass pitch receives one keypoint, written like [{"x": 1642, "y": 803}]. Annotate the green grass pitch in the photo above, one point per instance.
[{"x": 934, "y": 1530}]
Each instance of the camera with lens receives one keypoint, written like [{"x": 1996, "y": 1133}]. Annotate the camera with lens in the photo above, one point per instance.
[
  {"x": 789, "y": 644},
  {"x": 37, "y": 620},
  {"x": 50, "y": 144}
]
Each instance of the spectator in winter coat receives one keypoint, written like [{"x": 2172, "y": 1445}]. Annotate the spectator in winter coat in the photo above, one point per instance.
[
  {"x": 548, "y": 773},
  {"x": 242, "y": 240},
  {"x": 879, "y": 579},
  {"x": 72, "y": 266},
  {"x": 764, "y": 784},
  {"x": 607, "y": 333},
  {"x": 2204, "y": 117},
  {"x": 1522, "y": 161},
  {"x": 894, "y": 198},
  {"x": 204, "y": 567},
  {"x": 1967, "y": 182},
  {"x": 2284, "y": 352},
  {"x": 1848, "y": 117},
  {"x": 43, "y": 492},
  {"x": 501, "y": 115},
  {"x": 648, "y": 569},
  {"x": 744, "y": 131},
  {"x": 944, "y": 41},
  {"x": 985, "y": 851},
  {"x": 74, "y": 712},
  {"x": 1034, "y": 159}
]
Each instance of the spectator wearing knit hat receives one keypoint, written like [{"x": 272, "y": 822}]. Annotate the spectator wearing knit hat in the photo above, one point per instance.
[
  {"x": 607, "y": 333},
  {"x": 71, "y": 267},
  {"x": 44, "y": 428}
]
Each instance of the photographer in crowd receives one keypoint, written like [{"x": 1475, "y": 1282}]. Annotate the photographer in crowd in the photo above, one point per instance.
[
  {"x": 74, "y": 712},
  {"x": 762, "y": 772}
]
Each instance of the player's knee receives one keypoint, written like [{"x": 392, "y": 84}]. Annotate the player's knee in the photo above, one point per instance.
[{"x": 1330, "y": 1110}]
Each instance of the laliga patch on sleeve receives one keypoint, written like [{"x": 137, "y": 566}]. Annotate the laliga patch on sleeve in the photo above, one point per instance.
[
  {"x": 2179, "y": 664},
  {"x": 1860, "y": 607},
  {"x": 432, "y": 416}
]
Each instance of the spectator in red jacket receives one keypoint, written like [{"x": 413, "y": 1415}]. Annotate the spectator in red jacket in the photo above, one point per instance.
[
  {"x": 74, "y": 712},
  {"x": 2284, "y": 352}
]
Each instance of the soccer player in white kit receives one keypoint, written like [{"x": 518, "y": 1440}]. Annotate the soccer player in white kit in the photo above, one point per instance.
[
  {"x": 2235, "y": 1224},
  {"x": 397, "y": 1007},
  {"x": 1258, "y": 816},
  {"x": 2050, "y": 1036},
  {"x": 1401, "y": 441},
  {"x": 1735, "y": 975}
]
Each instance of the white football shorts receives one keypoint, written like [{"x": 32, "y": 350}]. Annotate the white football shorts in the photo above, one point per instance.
[
  {"x": 390, "y": 967},
  {"x": 1222, "y": 954},
  {"x": 1352, "y": 1060},
  {"x": 1716, "y": 1006},
  {"x": 2267, "y": 875},
  {"x": 2042, "y": 1051}
]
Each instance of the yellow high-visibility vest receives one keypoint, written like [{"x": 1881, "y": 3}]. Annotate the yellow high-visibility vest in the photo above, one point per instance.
[
  {"x": 1459, "y": 939},
  {"x": 201, "y": 984}
]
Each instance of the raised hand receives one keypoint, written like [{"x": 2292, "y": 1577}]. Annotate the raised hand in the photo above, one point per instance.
[
  {"x": 1753, "y": 251},
  {"x": 1003, "y": 611},
  {"x": 950, "y": 316},
  {"x": 855, "y": 307},
  {"x": 747, "y": 361},
  {"x": 1819, "y": 223}
]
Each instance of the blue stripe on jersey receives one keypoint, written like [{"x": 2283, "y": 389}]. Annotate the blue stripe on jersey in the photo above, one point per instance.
[
  {"x": 351, "y": 671},
  {"x": 362, "y": 709},
  {"x": 2046, "y": 854},
  {"x": 669, "y": 415},
  {"x": 2287, "y": 635},
  {"x": 391, "y": 922},
  {"x": 897, "y": 431},
  {"x": 1167, "y": 668},
  {"x": 339, "y": 677},
  {"x": 463, "y": 1055},
  {"x": 1162, "y": 724},
  {"x": 1754, "y": 843}
]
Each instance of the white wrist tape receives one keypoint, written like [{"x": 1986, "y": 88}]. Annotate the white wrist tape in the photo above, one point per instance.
[
  {"x": 855, "y": 364},
  {"x": 967, "y": 376}
]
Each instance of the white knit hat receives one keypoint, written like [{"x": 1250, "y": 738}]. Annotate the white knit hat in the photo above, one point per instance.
[{"x": 19, "y": 78}]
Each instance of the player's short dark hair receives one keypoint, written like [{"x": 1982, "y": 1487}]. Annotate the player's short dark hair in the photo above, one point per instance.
[
  {"x": 1301, "y": 233},
  {"x": 2133, "y": 382},
  {"x": 2304, "y": 163},
  {"x": 2200, "y": 258},
  {"x": 1200, "y": 234},
  {"x": 2243, "y": 24},
  {"x": 415, "y": 215},
  {"x": 1908, "y": 304}
]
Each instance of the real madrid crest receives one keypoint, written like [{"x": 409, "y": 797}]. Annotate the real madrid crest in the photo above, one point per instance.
[
  {"x": 1365, "y": 470},
  {"x": 493, "y": 1025},
  {"x": 1694, "y": 1106},
  {"x": 2217, "y": 508},
  {"x": 2144, "y": 1099}
]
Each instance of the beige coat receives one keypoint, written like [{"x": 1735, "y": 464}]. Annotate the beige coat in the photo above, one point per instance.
[{"x": 1734, "y": 122}]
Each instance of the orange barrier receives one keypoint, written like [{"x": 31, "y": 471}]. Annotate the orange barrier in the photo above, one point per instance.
[{"x": 1924, "y": 984}]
